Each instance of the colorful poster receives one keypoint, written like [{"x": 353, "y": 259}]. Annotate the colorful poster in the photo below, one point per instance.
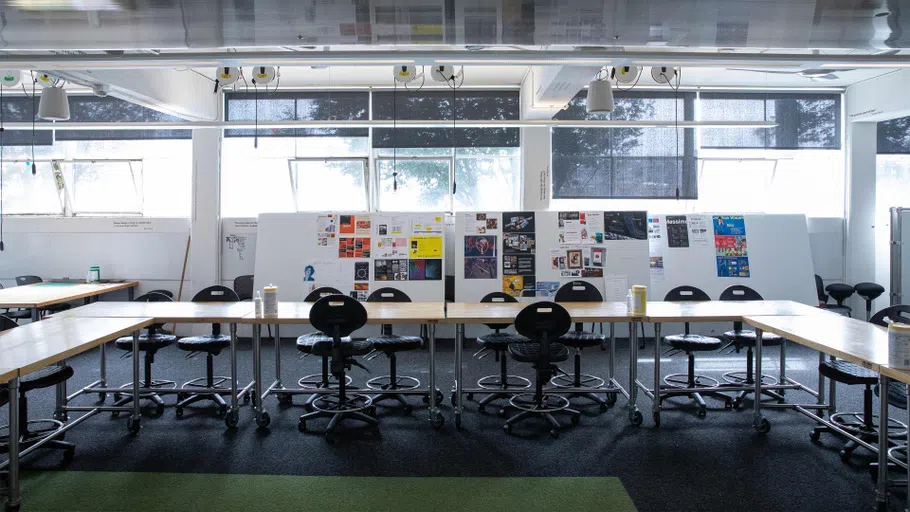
[
  {"x": 730, "y": 246},
  {"x": 390, "y": 270},
  {"x": 428, "y": 224},
  {"x": 657, "y": 268},
  {"x": 317, "y": 274},
  {"x": 426, "y": 247},
  {"x": 354, "y": 247},
  {"x": 625, "y": 225},
  {"x": 362, "y": 225},
  {"x": 362, "y": 271},
  {"x": 569, "y": 227},
  {"x": 514, "y": 285},
  {"x": 654, "y": 237},
  {"x": 518, "y": 265},
  {"x": 677, "y": 231},
  {"x": 598, "y": 256},
  {"x": 518, "y": 222},
  {"x": 480, "y": 246},
  {"x": 325, "y": 230},
  {"x": 547, "y": 289},
  {"x": 518, "y": 243},
  {"x": 387, "y": 247},
  {"x": 699, "y": 230},
  {"x": 391, "y": 225},
  {"x": 481, "y": 268},
  {"x": 574, "y": 259},
  {"x": 592, "y": 227},
  {"x": 346, "y": 224},
  {"x": 361, "y": 291},
  {"x": 481, "y": 223},
  {"x": 425, "y": 270}
]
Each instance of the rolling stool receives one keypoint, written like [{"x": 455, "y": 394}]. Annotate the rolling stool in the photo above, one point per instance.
[
  {"x": 150, "y": 343},
  {"x": 541, "y": 322},
  {"x": 29, "y": 435},
  {"x": 897, "y": 397},
  {"x": 577, "y": 339},
  {"x": 305, "y": 343},
  {"x": 840, "y": 292},
  {"x": 340, "y": 316},
  {"x": 690, "y": 344},
  {"x": 869, "y": 292},
  {"x": 390, "y": 344},
  {"x": 210, "y": 386},
  {"x": 498, "y": 343},
  {"x": 739, "y": 338}
]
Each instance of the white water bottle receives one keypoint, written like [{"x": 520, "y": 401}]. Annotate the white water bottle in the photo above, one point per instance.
[
  {"x": 629, "y": 299},
  {"x": 257, "y": 304}
]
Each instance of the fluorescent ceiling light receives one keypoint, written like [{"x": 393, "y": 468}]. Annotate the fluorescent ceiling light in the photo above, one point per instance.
[
  {"x": 886, "y": 65},
  {"x": 67, "y": 5}
]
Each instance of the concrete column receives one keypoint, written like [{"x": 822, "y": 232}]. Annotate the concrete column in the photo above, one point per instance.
[
  {"x": 860, "y": 207},
  {"x": 205, "y": 252}
]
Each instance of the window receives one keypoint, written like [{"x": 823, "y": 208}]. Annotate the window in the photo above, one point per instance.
[
  {"x": 314, "y": 177},
  {"x": 106, "y": 187},
  {"x": 621, "y": 163},
  {"x": 422, "y": 184}
]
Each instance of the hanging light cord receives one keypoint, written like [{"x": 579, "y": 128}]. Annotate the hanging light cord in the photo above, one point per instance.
[
  {"x": 454, "y": 137},
  {"x": 34, "y": 117},
  {"x": 2, "y": 188},
  {"x": 256, "y": 109},
  {"x": 676, "y": 124},
  {"x": 395, "y": 135}
]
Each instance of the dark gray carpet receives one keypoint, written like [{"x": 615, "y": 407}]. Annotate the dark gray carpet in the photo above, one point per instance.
[{"x": 718, "y": 463}]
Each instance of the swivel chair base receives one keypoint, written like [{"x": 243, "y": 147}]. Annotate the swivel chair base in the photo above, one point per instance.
[
  {"x": 121, "y": 399},
  {"x": 545, "y": 406},
  {"x": 32, "y": 436},
  {"x": 337, "y": 409}
]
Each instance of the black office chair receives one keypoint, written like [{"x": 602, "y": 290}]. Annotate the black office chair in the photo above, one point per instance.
[
  {"x": 391, "y": 344},
  {"x": 739, "y": 338},
  {"x": 543, "y": 323},
  {"x": 150, "y": 343},
  {"x": 211, "y": 386},
  {"x": 26, "y": 313},
  {"x": 840, "y": 292},
  {"x": 243, "y": 287},
  {"x": 305, "y": 344},
  {"x": 869, "y": 292},
  {"x": 865, "y": 424},
  {"x": 577, "y": 339},
  {"x": 167, "y": 293},
  {"x": 690, "y": 344},
  {"x": 31, "y": 432},
  {"x": 498, "y": 343},
  {"x": 340, "y": 316}
]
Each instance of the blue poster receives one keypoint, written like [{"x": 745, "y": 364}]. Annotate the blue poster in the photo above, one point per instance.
[
  {"x": 730, "y": 246},
  {"x": 729, "y": 225},
  {"x": 733, "y": 266}
]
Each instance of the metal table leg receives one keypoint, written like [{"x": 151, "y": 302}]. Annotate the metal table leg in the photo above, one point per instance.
[
  {"x": 14, "y": 498},
  {"x": 656, "y": 409},
  {"x": 35, "y": 315},
  {"x": 459, "y": 341},
  {"x": 131, "y": 293},
  {"x": 260, "y": 415},
  {"x": 278, "y": 357},
  {"x": 233, "y": 414},
  {"x": 783, "y": 366},
  {"x": 611, "y": 367},
  {"x": 881, "y": 487},
  {"x": 821, "y": 388},
  {"x": 832, "y": 394},
  {"x": 133, "y": 424},
  {"x": 634, "y": 414},
  {"x": 760, "y": 423},
  {"x": 436, "y": 418}
]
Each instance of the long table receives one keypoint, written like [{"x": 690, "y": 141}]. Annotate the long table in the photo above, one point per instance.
[
  {"x": 171, "y": 312},
  {"x": 42, "y": 295},
  {"x": 39, "y": 344},
  {"x": 298, "y": 313}
]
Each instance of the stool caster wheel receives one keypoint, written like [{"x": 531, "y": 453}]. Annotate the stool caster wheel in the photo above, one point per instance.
[
  {"x": 301, "y": 425},
  {"x": 231, "y": 419},
  {"x": 604, "y": 407},
  {"x": 452, "y": 399},
  {"x": 222, "y": 410},
  {"x": 68, "y": 455},
  {"x": 575, "y": 419},
  {"x": 117, "y": 397},
  {"x": 470, "y": 396},
  {"x": 159, "y": 410},
  {"x": 737, "y": 402},
  {"x": 457, "y": 422},
  {"x": 507, "y": 429},
  {"x": 554, "y": 434},
  {"x": 285, "y": 398},
  {"x": 178, "y": 411},
  {"x": 263, "y": 420},
  {"x": 763, "y": 426},
  {"x": 115, "y": 414},
  {"x": 636, "y": 418},
  {"x": 656, "y": 417},
  {"x": 845, "y": 455},
  {"x": 330, "y": 437},
  {"x": 308, "y": 407},
  {"x": 728, "y": 404},
  {"x": 439, "y": 397},
  {"x": 611, "y": 399},
  {"x": 482, "y": 408},
  {"x": 133, "y": 425},
  {"x": 246, "y": 398},
  {"x": 701, "y": 413},
  {"x": 181, "y": 397},
  {"x": 407, "y": 409},
  {"x": 815, "y": 436},
  {"x": 437, "y": 420},
  {"x": 61, "y": 416},
  {"x": 503, "y": 412}
]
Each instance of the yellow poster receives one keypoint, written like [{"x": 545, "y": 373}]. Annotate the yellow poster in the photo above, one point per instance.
[
  {"x": 513, "y": 285},
  {"x": 426, "y": 247}
]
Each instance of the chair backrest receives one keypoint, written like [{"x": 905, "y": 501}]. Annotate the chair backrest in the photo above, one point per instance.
[
  {"x": 243, "y": 287},
  {"x": 338, "y": 316},
  {"x": 820, "y": 290},
  {"x": 898, "y": 313},
  {"x": 24, "y": 280},
  {"x": 388, "y": 294},
  {"x": 216, "y": 293},
  {"x": 686, "y": 293},
  {"x": 578, "y": 291},
  {"x": 840, "y": 292},
  {"x": 501, "y": 298},
  {"x": 164, "y": 292},
  {"x": 543, "y": 322},
  {"x": 740, "y": 292},
  {"x": 153, "y": 297},
  {"x": 323, "y": 291},
  {"x": 7, "y": 323}
]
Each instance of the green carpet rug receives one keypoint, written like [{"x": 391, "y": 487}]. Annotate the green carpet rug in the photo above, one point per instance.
[{"x": 79, "y": 491}]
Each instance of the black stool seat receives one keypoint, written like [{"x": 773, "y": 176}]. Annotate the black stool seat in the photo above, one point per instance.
[
  {"x": 869, "y": 291},
  {"x": 692, "y": 342},
  {"x": 582, "y": 339},
  {"x": 348, "y": 349},
  {"x": 530, "y": 352},
  {"x": 897, "y": 394},
  {"x": 747, "y": 338},
  {"x": 395, "y": 343},
  {"x": 500, "y": 340},
  {"x": 18, "y": 314},
  {"x": 45, "y": 378},
  {"x": 210, "y": 343},
  {"x": 848, "y": 373},
  {"x": 146, "y": 343},
  {"x": 305, "y": 343}
]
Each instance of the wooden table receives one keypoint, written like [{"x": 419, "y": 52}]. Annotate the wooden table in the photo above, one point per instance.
[
  {"x": 39, "y": 344},
  {"x": 41, "y": 295},
  {"x": 171, "y": 312},
  {"x": 298, "y": 313},
  {"x": 461, "y": 313}
]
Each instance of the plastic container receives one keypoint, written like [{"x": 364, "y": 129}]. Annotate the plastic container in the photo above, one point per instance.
[
  {"x": 95, "y": 271},
  {"x": 257, "y": 304},
  {"x": 899, "y": 346},
  {"x": 270, "y": 300},
  {"x": 639, "y": 300}
]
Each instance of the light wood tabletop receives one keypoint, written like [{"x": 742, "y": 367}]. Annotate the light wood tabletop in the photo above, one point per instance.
[
  {"x": 377, "y": 313},
  {"x": 33, "y": 346},
  {"x": 6, "y": 374},
  {"x": 40, "y": 295},
  {"x": 164, "y": 312},
  {"x": 895, "y": 374},
  {"x": 852, "y": 340},
  {"x": 499, "y": 312},
  {"x": 727, "y": 311}
]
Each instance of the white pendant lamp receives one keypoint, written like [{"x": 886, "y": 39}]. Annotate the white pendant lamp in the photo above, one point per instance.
[
  {"x": 600, "y": 96},
  {"x": 54, "y": 105}
]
